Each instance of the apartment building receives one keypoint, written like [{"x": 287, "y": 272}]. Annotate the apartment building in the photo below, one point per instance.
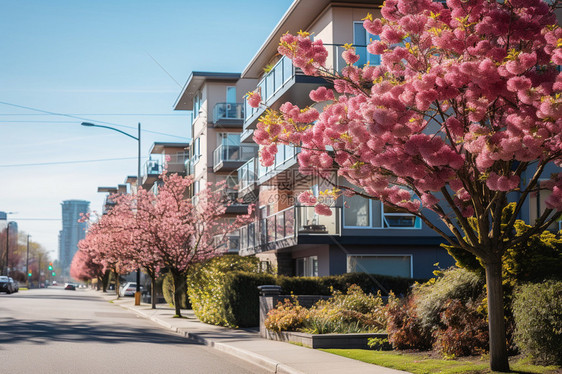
[
  {"x": 216, "y": 102},
  {"x": 360, "y": 235}
]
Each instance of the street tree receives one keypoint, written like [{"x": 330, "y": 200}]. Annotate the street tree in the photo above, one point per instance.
[
  {"x": 462, "y": 115},
  {"x": 170, "y": 230}
]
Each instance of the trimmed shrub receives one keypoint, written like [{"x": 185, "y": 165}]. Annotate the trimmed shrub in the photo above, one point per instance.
[
  {"x": 242, "y": 297},
  {"x": 369, "y": 283},
  {"x": 168, "y": 292},
  {"x": 537, "y": 310},
  {"x": 210, "y": 289}
]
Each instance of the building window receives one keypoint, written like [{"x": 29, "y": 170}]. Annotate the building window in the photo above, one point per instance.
[
  {"x": 231, "y": 94},
  {"x": 196, "y": 150},
  {"x": 361, "y": 38},
  {"x": 359, "y": 212},
  {"x": 392, "y": 265},
  {"x": 197, "y": 104},
  {"x": 307, "y": 266}
]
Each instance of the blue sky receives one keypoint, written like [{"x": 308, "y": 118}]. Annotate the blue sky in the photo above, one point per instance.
[{"x": 111, "y": 62}]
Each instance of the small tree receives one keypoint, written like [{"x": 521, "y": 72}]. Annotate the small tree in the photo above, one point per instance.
[
  {"x": 172, "y": 232},
  {"x": 463, "y": 114}
]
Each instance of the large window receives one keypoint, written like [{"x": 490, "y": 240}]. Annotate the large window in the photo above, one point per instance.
[
  {"x": 307, "y": 266},
  {"x": 359, "y": 212},
  {"x": 361, "y": 38},
  {"x": 393, "y": 265}
]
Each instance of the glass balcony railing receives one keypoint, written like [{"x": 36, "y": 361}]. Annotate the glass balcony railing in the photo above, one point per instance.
[
  {"x": 153, "y": 167},
  {"x": 228, "y": 111},
  {"x": 247, "y": 174},
  {"x": 287, "y": 224},
  {"x": 226, "y": 153},
  {"x": 229, "y": 243},
  {"x": 176, "y": 162},
  {"x": 285, "y": 153},
  {"x": 283, "y": 71}
]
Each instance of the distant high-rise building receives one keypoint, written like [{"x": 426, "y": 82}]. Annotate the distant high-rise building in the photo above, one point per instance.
[{"x": 72, "y": 231}]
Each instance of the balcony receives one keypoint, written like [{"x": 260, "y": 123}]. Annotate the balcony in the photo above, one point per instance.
[
  {"x": 285, "y": 158},
  {"x": 287, "y": 228},
  {"x": 231, "y": 157},
  {"x": 176, "y": 163},
  {"x": 152, "y": 169},
  {"x": 228, "y": 115},
  {"x": 247, "y": 177},
  {"x": 278, "y": 85}
]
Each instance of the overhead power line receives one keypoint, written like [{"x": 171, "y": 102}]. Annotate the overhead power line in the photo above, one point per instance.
[
  {"x": 87, "y": 119},
  {"x": 67, "y": 162}
]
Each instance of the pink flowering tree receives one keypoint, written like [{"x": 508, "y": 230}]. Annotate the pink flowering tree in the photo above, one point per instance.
[
  {"x": 107, "y": 242},
  {"x": 462, "y": 115},
  {"x": 85, "y": 268},
  {"x": 174, "y": 233}
]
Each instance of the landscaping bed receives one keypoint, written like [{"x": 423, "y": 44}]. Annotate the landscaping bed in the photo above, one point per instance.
[{"x": 348, "y": 341}]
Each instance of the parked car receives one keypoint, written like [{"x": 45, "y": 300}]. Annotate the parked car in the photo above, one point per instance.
[
  {"x": 70, "y": 286},
  {"x": 129, "y": 289},
  {"x": 6, "y": 284},
  {"x": 15, "y": 285}
]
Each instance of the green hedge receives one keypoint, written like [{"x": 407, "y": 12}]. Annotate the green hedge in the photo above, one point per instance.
[
  {"x": 537, "y": 310},
  {"x": 224, "y": 291},
  {"x": 208, "y": 290}
]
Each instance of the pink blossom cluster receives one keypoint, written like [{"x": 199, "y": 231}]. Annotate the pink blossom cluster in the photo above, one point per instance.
[{"x": 463, "y": 91}]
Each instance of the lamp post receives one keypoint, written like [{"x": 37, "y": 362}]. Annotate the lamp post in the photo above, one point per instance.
[
  {"x": 27, "y": 263},
  {"x": 138, "y": 139}
]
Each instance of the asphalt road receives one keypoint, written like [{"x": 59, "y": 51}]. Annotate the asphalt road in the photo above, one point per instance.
[{"x": 56, "y": 332}]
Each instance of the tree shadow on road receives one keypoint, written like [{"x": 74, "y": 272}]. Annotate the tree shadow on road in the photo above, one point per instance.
[{"x": 13, "y": 331}]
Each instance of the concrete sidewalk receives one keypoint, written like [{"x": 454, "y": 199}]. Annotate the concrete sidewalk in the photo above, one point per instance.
[{"x": 246, "y": 344}]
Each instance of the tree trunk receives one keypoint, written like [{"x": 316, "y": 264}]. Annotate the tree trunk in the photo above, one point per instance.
[
  {"x": 496, "y": 321},
  {"x": 117, "y": 285},
  {"x": 153, "y": 291},
  {"x": 178, "y": 289}
]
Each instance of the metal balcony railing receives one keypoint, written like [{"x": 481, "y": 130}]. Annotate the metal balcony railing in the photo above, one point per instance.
[
  {"x": 228, "y": 111},
  {"x": 287, "y": 224},
  {"x": 226, "y": 153}
]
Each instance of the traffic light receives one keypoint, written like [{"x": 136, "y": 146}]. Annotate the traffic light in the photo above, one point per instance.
[
  {"x": 50, "y": 266},
  {"x": 53, "y": 273},
  {"x": 29, "y": 274}
]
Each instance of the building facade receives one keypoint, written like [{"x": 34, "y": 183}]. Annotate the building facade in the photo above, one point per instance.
[{"x": 72, "y": 231}]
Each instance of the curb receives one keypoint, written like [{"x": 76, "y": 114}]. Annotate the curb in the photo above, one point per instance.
[{"x": 243, "y": 354}]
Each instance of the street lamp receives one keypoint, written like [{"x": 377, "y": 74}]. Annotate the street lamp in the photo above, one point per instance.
[
  {"x": 138, "y": 139},
  {"x": 27, "y": 263}
]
